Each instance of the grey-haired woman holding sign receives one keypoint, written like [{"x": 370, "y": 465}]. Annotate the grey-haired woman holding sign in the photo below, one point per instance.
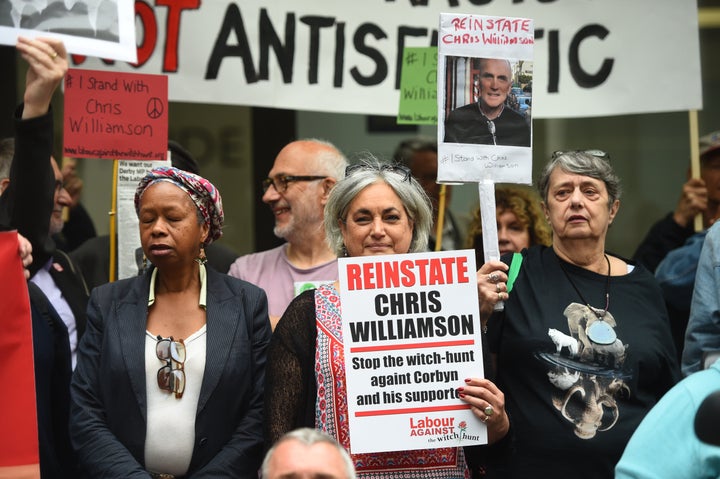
[
  {"x": 583, "y": 345},
  {"x": 377, "y": 209}
]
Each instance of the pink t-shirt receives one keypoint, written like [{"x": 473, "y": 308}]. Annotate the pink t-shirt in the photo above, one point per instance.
[{"x": 272, "y": 271}]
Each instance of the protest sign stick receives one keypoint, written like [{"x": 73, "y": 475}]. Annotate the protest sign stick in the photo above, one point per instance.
[
  {"x": 491, "y": 248},
  {"x": 440, "y": 219},
  {"x": 113, "y": 222},
  {"x": 695, "y": 159}
]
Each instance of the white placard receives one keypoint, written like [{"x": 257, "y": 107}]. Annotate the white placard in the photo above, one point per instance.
[
  {"x": 100, "y": 28},
  {"x": 411, "y": 329},
  {"x": 499, "y": 148}
]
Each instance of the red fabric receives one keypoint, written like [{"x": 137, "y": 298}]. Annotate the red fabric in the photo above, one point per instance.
[{"x": 18, "y": 416}]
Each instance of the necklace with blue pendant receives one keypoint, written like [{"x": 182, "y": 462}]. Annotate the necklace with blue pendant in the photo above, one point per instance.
[{"x": 599, "y": 332}]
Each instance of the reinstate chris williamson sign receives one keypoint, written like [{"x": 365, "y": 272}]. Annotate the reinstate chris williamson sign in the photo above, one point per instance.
[
  {"x": 411, "y": 333},
  {"x": 591, "y": 58}
]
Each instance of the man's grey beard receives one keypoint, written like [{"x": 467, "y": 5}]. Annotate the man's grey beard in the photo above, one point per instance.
[
  {"x": 277, "y": 231},
  {"x": 283, "y": 232},
  {"x": 291, "y": 230}
]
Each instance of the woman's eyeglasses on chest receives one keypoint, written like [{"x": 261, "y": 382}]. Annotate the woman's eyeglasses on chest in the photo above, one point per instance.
[{"x": 168, "y": 378}]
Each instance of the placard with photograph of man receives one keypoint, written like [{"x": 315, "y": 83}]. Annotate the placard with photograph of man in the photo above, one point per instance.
[{"x": 497, "y": 116}]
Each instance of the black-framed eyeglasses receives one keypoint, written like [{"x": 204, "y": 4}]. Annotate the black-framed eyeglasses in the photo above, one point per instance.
[
  {"x": 401, "y": 170},
  {"x": 596, "y": 153},
  {"x": 169, "y": 378},
  {"x": 280, "y": 182}
]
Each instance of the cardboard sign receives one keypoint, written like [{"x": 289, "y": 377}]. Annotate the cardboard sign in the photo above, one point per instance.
[
  {"x": 485, "y": 67},
  {"x": 418, "y": 87},
  {"x": 86, "y": 27},
  {"x": 411, "y": 333},
  {"x": 115, "y": 115}
]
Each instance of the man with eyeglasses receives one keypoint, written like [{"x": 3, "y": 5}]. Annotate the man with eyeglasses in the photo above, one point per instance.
[
  {"x": 296, "y": 190},
  {"x": 489, "y": 121},
  {"x": 25, "y": 188},
  {"x": 52, "y": 271}
]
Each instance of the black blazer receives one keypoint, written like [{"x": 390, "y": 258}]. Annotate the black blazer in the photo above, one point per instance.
[
  {"x": 108, "y": 409},
  {"x": 51, "y": 354}
]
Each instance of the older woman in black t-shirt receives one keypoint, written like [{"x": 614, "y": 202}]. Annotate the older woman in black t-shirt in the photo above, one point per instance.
[{"x": 583, "y": 345}]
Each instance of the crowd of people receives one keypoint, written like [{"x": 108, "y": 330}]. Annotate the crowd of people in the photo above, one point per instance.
[{"x": 206, "y": 364}]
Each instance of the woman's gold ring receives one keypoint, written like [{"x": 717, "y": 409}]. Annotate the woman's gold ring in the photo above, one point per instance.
[
  {"x": 497, "y": 287},
  {"x": 489, "y": 411},
  {"x": 500, "y": 297},
  {"x": 53, "y": 55}
]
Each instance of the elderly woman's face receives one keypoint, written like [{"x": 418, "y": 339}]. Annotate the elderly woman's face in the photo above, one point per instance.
[
  {"x": 577, "y": 206},
  {"x": 376, "y": 223},
  {"x": 169, "y": 229}
]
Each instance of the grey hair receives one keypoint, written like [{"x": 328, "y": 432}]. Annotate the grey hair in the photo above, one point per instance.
[
  {"x": 309, "y": 437},
  {"x": 7, "y": 150},
  {"x": 413, "y": 197},
  {"x": 586, "y": 164},
  {"x": 330, "y": 159}
]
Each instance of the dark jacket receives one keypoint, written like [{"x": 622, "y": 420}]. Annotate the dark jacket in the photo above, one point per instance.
[
  {"x": 51, "y": 354},
  {"x": 108, "y": 409}
]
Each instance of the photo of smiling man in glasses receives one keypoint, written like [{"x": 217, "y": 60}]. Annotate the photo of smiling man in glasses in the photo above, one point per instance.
[
  {"x": 296, "y": 191},
  {"x": 496, "y": 116}
]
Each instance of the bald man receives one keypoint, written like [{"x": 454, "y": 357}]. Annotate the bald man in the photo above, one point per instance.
[{"x": 296, "y": 191}]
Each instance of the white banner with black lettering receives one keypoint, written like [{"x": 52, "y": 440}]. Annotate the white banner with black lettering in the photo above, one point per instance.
[{"x": 591, "y": 58}]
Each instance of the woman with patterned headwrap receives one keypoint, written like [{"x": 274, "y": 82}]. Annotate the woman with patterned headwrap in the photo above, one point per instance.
[{"x": 170, "y": 372}]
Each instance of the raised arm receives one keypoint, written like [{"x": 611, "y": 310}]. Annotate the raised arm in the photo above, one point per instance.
[
  {"x": 671, "y": 231},
  {"x": 28, "y": 201},
  {"x": 47, "y": 62}
]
